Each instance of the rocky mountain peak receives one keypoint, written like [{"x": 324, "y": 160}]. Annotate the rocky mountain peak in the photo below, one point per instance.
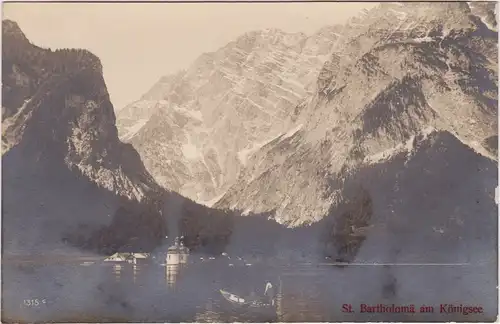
[
  {"x": 40, "y": 84},
  {"x": 392, "y": 75},
  {"x": 10, "y": 29},
  {"x": 287, "y": 112},
  {"x": 262, "y": 74},
  {"x": 69, "y": 181}
]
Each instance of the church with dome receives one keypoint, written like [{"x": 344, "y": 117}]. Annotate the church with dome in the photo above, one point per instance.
[{"x": 177, "y": 254}]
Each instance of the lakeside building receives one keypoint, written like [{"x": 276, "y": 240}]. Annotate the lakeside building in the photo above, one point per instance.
[
  {"x": 177, "y": 254},
  {"x": 177, "y": 257},
  {"x": 128, "y": 257}
]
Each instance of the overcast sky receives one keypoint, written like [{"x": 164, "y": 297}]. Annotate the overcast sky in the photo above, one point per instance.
[{"x": 139, "y": 43}]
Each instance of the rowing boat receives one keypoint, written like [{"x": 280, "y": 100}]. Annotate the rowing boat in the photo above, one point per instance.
[{"x": 237, "y": 300}]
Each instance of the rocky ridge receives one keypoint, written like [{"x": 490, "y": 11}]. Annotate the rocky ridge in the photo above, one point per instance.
[
  {"x": 195, "y": 130},
  {"x": 65, "y": 173},
  {"x": 403, "y": 69}
]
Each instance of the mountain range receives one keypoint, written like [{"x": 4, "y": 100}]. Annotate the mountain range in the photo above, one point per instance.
[
  {"x": 246, "y": 89},
  {"x": 265, "y": 123}
]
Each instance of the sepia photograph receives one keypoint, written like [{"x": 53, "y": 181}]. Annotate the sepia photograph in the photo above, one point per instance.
[{"x": 220, "y": 162}]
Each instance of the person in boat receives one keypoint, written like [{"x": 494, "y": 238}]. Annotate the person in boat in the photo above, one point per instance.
[{"x": 269, "y": 292}]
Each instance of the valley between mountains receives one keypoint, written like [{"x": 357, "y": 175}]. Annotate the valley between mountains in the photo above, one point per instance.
[{"x": 375, "y": 140}]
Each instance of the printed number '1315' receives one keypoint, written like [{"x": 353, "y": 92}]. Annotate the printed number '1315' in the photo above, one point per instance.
[{"x": 33, "y": 302}]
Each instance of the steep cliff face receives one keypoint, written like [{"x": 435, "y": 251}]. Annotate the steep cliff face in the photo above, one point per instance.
[
  {"x": 430, "y": 202},
  {"x": 400, "y": 70},
  {"x": 64, "y": 169},
  {"x": 195, "y": 129}
]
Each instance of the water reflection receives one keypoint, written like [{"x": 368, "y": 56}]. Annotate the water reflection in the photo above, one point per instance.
[
  {"x": 208, "y": 314},
  {"x": 117, "y": 270},
  {"x": 279, "y": 301},
  {"x": 131, "y": 292},
  {"x": 171, "y": 274}
]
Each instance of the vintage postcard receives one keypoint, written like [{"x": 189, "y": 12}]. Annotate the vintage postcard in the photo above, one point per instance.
[{"x": 249, "y": 162}]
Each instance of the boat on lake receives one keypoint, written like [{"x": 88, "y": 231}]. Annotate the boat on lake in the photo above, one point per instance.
[
  {"x": 240, "y": 301},
  {"x": 266, "y": 301}
]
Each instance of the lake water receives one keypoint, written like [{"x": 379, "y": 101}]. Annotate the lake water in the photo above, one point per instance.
[{"x": 306, "y": 292}]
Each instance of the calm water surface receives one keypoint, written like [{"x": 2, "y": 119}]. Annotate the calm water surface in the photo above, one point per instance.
[{"x": 306, "y": 293}]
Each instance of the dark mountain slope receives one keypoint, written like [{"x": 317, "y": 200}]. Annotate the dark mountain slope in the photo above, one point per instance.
[
  {"x": 65, "y": 173},
  {"x": 433, "y": 203},
  {"x": 67, "y": 179}
]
